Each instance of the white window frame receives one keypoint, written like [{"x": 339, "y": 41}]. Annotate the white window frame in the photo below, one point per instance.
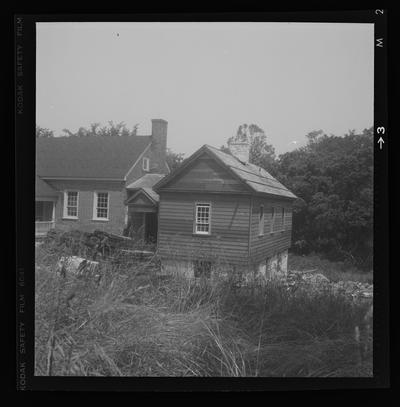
[
  {"x": 261, "y": 221},
  {"x": 196, "y": 206},
  {"x": 95, "y": 201},
  {"x": 146, "y": 164},
  {"x": 272, "y": 219},
  {"x": 65, "y": 209}
]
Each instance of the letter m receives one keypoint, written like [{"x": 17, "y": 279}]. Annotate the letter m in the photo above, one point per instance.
[{"x": 379, "y": 42}]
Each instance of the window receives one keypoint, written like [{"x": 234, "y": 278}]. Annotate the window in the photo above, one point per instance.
[
  {"x": 146, "y": 164},
  {"x": 101, "y": 204},
  {"x": 202, "y": 268},
  {"x": 283, "y": 219},
  {"x": 71, "y": 199},
  {"x": 261, "y": 221},
  {"x": 272, "y": 219},
  {"x": 203, "y": 214}
]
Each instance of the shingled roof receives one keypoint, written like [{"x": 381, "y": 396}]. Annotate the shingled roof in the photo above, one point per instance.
[
  {"x": 88, "y": 157},
  {"x": 146, "y": 183},
  {"x": 254, "y": 177}
]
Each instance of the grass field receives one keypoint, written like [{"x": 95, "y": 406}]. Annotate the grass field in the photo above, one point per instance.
[
  {"x": 135, "y": 323},
  {"x": 335, "y": 271}
]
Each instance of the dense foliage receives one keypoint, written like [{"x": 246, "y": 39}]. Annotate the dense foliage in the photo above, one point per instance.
[
  {"x": 42, "y": 132},
  {"x": 174, "y": 160},
  {"x": 333, "y": 178},
  {"x": 111, "y": 130}
]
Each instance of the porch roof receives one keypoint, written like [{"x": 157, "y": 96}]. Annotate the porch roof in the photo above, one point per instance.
[
  {"x": 43, "y": 189},
  {"x": 146, "y": 183}
]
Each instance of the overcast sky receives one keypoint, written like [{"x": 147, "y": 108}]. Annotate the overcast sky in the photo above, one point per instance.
[{"x": 206, "y": 79}]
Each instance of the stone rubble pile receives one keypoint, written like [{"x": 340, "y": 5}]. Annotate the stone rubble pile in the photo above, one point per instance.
[{"x": 317, "y": 282}]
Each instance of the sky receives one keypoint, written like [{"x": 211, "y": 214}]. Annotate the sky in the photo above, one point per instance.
[{"x": 206, "y": 79}]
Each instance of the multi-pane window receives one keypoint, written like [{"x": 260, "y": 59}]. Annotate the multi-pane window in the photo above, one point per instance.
[
  {"x": 146, "y": 164},
  {"x": 272, "y": 218},
  {"x": 71, "y": 204},
  {"x": 203, "y": 214},
  {"x": 101, "y": 205},
  {"x": 261, "y": 221}
]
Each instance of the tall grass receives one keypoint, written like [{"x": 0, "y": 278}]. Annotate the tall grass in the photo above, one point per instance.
[
  {"x": 334, "y": 271},
  {"x": 137, "y": 323}
]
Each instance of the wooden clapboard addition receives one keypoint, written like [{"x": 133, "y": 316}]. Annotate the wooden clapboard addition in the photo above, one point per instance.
[{"x": 216, "y": 207}]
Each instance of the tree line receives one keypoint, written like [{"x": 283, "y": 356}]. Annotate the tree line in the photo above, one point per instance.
[
  {"x": 331, "y": 176},
  {"x": 95, "y": 129}
]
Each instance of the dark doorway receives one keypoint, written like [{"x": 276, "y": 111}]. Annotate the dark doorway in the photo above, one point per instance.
[{"x": 150, "y": 228}]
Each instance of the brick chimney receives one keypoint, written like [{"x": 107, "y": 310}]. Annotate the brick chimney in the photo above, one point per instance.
[
  {"x": 240, "y": 149},
  {"x": 159, "y": 142}
]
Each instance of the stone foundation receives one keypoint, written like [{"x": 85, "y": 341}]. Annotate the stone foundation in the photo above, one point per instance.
[
  {"x": 177, "y": 267},
  {"x": 274, "y": 267}
]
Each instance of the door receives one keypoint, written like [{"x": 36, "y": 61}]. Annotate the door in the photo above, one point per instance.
[{"x": 150, "y": 229}]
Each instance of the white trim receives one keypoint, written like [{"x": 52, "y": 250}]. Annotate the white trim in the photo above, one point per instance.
[
  {"x": 95, "y": 206},
  {"x": 272, "y": 219},
  {"x": 147, "y": 166},
  {"x": 139, "y": 158},
  {"x": 261, "y": 222},
  {"x": 65, "y": 204},
  {"x": 196, "y": 205}
]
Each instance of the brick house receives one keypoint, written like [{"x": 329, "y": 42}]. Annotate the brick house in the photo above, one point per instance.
[{"x": 100, "y": 182}]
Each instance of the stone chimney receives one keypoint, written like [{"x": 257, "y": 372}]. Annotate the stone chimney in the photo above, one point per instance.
[
  {"x": 240, "y": 149},
  {"x": 159, "y": 142}
]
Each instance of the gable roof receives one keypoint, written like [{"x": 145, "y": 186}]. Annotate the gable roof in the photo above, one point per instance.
[
  {"x": 146, "y": 183},
  {"x": 43, "y": 189},
  {"x": 88, "y": 157},
  {"x": 255, "y": 178}
]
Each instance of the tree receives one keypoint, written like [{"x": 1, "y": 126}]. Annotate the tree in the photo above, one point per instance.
[
  {"x": 261, "y": 153},
  {"x": 333, "y": 178},
  {"x": 174, "y": 160},
  {"x": 42, "y": 132},
  {"x": 112, "y": 130}
]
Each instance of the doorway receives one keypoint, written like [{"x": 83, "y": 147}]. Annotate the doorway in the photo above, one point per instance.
[{"x": 150, "y": 227}]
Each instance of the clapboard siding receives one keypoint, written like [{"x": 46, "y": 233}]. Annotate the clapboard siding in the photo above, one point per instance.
[
  {"x": 275, "y": 238},
  {"x": 229, "y": 237},
  {"x": 206, "y": 175}
]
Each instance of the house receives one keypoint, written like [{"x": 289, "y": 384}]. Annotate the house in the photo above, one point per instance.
[
  {"x": 100, "y": 182},
  {"x": 219, "y": 212}
]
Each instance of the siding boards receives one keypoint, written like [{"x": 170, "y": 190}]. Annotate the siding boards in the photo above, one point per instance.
[
  {"x": 206, "y": 175},
  {"x": 265, "y": 246},
  {"x": 228, "y": 241}
]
